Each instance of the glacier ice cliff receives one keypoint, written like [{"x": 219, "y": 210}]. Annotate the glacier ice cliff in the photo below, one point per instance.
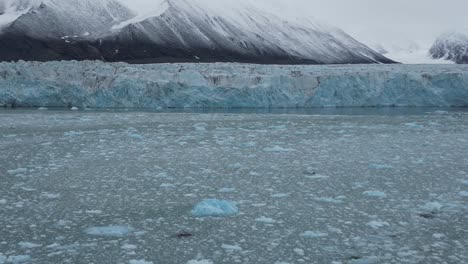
[{"x": 99, "y": 84}]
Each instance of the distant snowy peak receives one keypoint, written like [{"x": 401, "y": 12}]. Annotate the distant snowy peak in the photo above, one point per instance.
[
  {"x": 63, "y": 18},
  {"x": 451, "y": 46}
]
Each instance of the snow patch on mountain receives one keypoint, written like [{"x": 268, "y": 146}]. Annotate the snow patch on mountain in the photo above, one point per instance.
[{"x": 451, "y": 46}]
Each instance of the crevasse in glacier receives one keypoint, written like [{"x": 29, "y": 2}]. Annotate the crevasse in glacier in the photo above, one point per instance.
[{"x": 98, "y": 84}]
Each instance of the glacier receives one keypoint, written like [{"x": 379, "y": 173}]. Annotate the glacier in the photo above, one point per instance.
[{"x": 96, "y": 84}]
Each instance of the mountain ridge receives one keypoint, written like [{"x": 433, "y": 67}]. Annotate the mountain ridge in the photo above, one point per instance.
[{"x": 183, "y": 31}]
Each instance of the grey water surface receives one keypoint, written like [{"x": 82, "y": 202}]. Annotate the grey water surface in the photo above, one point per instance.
[{"x": 312, "y": 186}]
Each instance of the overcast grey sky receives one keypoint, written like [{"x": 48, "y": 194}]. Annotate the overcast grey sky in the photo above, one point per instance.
[{"x": 369, "y": 20}]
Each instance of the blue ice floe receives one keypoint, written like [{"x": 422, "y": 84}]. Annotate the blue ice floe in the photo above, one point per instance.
[
  {"x": 215, "y": 208},
  {"x": 112, "y": 231}
]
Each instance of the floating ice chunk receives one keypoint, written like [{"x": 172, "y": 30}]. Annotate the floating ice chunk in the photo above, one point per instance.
[
  {"x": 227, "y": 190},
  {"x": 277, "y": 149},
  {"x": 140, "y": 261},
  {"x": 128, "y": 247},
  {"x": 202, "y": 261},
  {"x": 313, "y": 234},
  {"x": 231, "y": 247},
  {"x": 18, "y": 259},
  {"x": 414, "y": 125},
  {"x": 74, "y": 108},
  {"x": 112, "y": 231},
  {"x": 280, "y": 195},
  {"x": 215, "y": 208},
  {"x": 377, "y": 194},
  {"x": 317, "y": 177},
  {"x": 438, "y": 236},
  {"x": 299, "y": 251},
  {"x": 464, "y": 182},
  {"x": 366, "y": 260},
  {"x": 432, "y": 207},
  {"x": 380, "y": 166},
  {"x": 50, "y": 195},
  {"x": 2, "y": 258},
  {"x": 328, "y": 200},
  {"x": 28, "y": 245},
  {"x": 42, "y": 108},
  {"x": 167, "y": 185},
  {"x": 18, "y": 171},
  {"x": 200, "y": 127},
  {"x": 265, "y": 220},
  {"x": 377, "y": 224},
  {"x": 463, "y": 194},
  {"x": 3, "y": 201}
]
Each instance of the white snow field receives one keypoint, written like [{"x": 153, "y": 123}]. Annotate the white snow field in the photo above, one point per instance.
[
  {"x": 122, "y": 186},
  {"x": 98, "y": 84}
]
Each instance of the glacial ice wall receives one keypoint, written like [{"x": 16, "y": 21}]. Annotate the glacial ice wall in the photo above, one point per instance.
[{"x": 98, "y": 84}]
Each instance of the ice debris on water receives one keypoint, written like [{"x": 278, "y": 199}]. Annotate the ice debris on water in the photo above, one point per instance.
[
  {"x": 433, "y": 207},
  {"x": 265, "y": 220},
  {"x": 18, "y": 259},
  {"x": 463, "y": 194},
  {"x": 112, "y": 231},
  {"x": 202, "y": 261},
  {"x": 140, "y": 261},
  {"x": 215, "y": 208},
  {"x": 314, "y": 234},
  {"x": 377, "y": 224},
  {"x": 376, "y": 194}
]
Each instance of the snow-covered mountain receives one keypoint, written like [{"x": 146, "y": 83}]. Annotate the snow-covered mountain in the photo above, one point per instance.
[
  {"x": 451, "y": 46},
  {"x": 176, "y": 30}
]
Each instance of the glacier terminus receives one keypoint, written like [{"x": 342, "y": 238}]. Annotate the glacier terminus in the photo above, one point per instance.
[{"x": 96, "y": 84}]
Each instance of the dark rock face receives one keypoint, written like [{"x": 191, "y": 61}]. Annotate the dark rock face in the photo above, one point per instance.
[
  {"x": 179, "y": 34},
  {"x": 451, "y": 46}
]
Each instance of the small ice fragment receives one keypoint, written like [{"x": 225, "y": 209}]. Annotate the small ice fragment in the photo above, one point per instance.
[
  {"x": 277, "y": 149},
  {"x": 377, "y": 224},
  {"x": 28, "y": 245},
  {"x": 113, "y": 231},
  {"x": 17, "y": 171},
  {"x": 215, "y": 208},
  {"x": 438, "y": 236},
  {"x": 464, "y": 182},
  {"x": 128, "y": 247},
  {"x": 231, "y": 247},
  {"x": 265, "y": 220},
  {"x": 380, "y": 166},
  {"x": 3, "y": 201},
  {"x": 299, "y": 251},
  {"x": 328, "y": 200},
  {"x": 18, "y": 259},
  {"x": 2, "y": 258},
  {"x": 42, "y": 108},
  {"x": 50, "y": 195},
  {"x": 202, "y": 261},
  {"x": 463, "y": 194},
  {"x": 317, "y": 177},
  {"x": 376, "y": 194},
  {"x": 227, "y": 190},
  {"x": 140, "y": 261},
  {"x": 74, "y": 108},
  {"x": 367, "y": 260},
  {"x": 280, "y": 195},
  {"x": 313, "y": 234},
  {"x": 167, "y": 185},
  {"x": 432, "y": 207}
]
